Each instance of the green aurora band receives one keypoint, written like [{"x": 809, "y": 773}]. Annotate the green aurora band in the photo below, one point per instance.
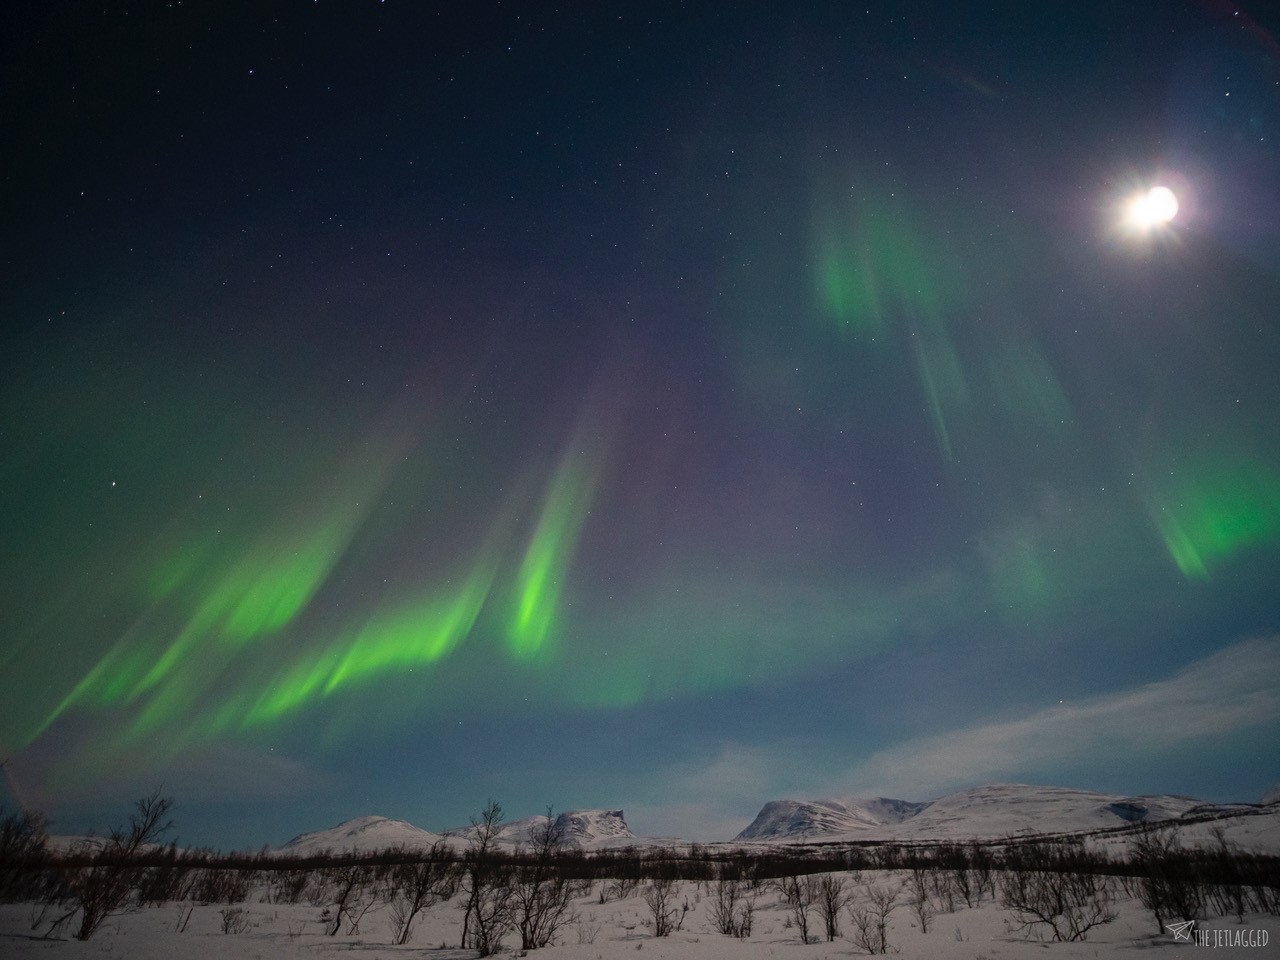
[
  {"x": 540, "y": 579},
  {"x": 249, "y": 617},
  {"x": 1211, "y": 512}
]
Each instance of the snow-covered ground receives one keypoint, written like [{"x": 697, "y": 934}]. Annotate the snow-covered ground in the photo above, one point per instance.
[{"x": 609, "y": 931}]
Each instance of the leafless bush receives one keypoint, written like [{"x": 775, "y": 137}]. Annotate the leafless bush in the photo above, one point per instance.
[
  {"x": 587, "y": 931},
  {"x": 944, "y": 890},
  {"x": 104, "y": 885},
  {"x": 488, "y": 914},
  {"x": 618, "y": 889},
  {"x": 1167, "y": 884},
  {"x": 23, "y": 852},
  {"x": 801, "y": 893},
  {"x": 1229, "y": 895},
  {"x": 919, "y": 897},
  {"x": 724, "y": 906},
  {"x": 871, "y": 918},
  {"x": 982, "y": 863},
  {"x": 289, "y": 886},
  {"x": 542, "y": 898},
  {"x": 732, "y": 907},
  {"x": 1058, "y": 889},
  {"x": 354, "y": 891},
  {"x": 832, "y": 897},
  {"x": 660, "y": 895},
  {"x": 214, "y": 884},
  {"x": 417, "y": 885},
  {"x": 234, "y": 919},
  {"x": 170, "y": 877}
]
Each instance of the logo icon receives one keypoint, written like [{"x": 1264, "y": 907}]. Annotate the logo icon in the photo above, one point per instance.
[{"x": 1181, "y": 930}]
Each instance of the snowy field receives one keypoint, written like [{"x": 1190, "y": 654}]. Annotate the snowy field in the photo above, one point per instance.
[{"x": 618, "y": 929}]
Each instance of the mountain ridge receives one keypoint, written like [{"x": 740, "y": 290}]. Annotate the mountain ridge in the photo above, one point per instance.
[{"x": 984, "y": 812}]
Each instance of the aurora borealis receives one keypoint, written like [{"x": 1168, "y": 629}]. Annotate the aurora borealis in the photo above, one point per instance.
[{"x": 672, "y": 409}]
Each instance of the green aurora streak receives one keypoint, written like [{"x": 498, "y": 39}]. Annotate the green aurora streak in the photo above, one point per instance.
[
  {"x": 540, "y": 579},
  {"x": 1211, "y": 512}
]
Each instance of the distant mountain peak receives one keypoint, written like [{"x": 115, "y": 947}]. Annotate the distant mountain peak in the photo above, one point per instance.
[
  {"x": 362, "y": 833},
  {"x": 580, "y": 828},
  {"x": 988, "y": 811}
]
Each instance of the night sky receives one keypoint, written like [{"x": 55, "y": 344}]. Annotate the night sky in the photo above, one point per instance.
[{"x": 661, "y": 407}]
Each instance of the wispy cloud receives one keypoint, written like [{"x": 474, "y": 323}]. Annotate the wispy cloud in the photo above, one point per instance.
[
  {"x": 1232, "y": 690},
  {"x": 711, "y": 798},
  {"x": 714, "y": 796},
  {"x": 216, "y": 771}
]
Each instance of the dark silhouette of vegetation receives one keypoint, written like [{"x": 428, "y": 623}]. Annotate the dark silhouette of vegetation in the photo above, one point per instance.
[
  {"x": 488, "y": 915},
  {"x": 24, "y": 855},
  {"x": 1057, "y": 888},
  {"x": 542, "y": 897},
  {"x": 111, "y": 868},
  {"x": 419, "y": 884}
]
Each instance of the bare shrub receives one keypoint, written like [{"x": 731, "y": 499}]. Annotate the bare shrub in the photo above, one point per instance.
[
  {"x": 353, "y": 892},
  {"x": 488, "y": 914},
  {"x": 542, "y": 899},
  {"x": 587, "y": 931},
  {"x": 732, "y": 907},
  {"x": 23, "y": 854},
  {"x": 660, "y": 896},
  {"x": 418, "y": 885},
  {"x": 213, "y": 884},
  {"x": 288, "y": 886},
  {"x": 871, "y": 917},
  {"x": 920, "y": 901},
  {"x": 831, "y": 897},
  {"x": 104, "y": 885},
  {"x": 1056, "y": 888},
  {"x": 619, "y": 888},
  {"x": 724, "y": 906},
  {"x": 234, "y": 919},
  {"x": 1167, "y": 884}
]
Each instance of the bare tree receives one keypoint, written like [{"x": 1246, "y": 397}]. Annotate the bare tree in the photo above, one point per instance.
[
  {"x": 104, "y": 885},
  {"x": 724, "y": 906},
  {"x": 733, "y": 907},
  {"x": 23, "y": 850},
  {"x": 1057, "y": 890},
  {"x": 831, "y": 900},
  {"x": 1228, "y": 893},
  {"x": 982, "y": 864},
  {"x": 1167, "y": 885},
  {"x": 541, "y": 896},
  {"x": 353, "y": 893},
  {"x": 871, "y": 919},
  {"x": 920, "y": 901},
  {"x": 660, "y": 896},
  {"x": 801, "y": 893},
  {"x": 418, "y": 885},
  {"x": 487, "y": 885}
]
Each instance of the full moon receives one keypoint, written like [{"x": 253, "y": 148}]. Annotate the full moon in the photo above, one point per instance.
[{"x": 1157, "y": 206}]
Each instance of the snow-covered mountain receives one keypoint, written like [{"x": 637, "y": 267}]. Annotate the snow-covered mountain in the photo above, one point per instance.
[
  {"x": 822, "y": 819},
  {"x": 992, "y": 811},
  {"x": 362, "y": 833},
  {"x": 581, "y": 828}
]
